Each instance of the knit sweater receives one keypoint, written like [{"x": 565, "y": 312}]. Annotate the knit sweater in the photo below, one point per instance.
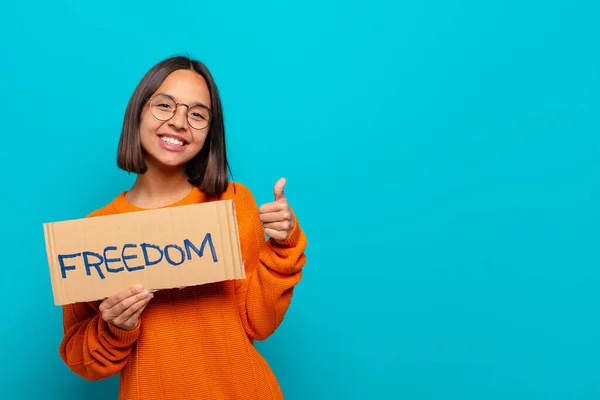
[{"x": 196, "y": 342}]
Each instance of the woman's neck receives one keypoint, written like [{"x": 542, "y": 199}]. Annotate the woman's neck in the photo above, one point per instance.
[{"x": 158, "y": 188}]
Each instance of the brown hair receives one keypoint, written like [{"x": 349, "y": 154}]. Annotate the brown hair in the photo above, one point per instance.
[{"x": 209, "y": 169}]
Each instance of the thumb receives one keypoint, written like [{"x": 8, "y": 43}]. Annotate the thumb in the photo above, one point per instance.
[{"x": 278, "y": 190}]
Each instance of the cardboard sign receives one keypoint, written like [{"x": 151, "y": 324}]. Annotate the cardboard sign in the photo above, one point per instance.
[{"x": 93, "y": 258}]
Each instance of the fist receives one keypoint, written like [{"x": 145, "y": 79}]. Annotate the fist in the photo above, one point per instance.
[
  {"x": 123, "y": 309},
  {"x": 277, "y": 217}
]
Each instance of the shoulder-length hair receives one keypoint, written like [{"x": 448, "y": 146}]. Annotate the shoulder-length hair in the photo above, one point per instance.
[{"x": 209, "y": 169}]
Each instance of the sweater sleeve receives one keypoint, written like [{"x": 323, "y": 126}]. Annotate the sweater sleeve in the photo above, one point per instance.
[
  {"x": 273, "y": 269},
  {"x": 91, "y": 347}
]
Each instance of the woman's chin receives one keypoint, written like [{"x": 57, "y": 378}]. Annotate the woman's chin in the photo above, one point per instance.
[{"x": 168, "y": 164}]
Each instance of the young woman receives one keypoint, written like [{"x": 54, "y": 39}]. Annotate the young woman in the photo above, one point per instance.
[{"x": 196, "y": 342}]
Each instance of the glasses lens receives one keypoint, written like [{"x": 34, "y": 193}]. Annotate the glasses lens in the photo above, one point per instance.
[
  {"x": 162, "y": 107},
  {"x": 198, "y": 117}
]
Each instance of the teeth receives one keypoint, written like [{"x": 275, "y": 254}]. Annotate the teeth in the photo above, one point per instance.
[{"x": 171, "y": 140}]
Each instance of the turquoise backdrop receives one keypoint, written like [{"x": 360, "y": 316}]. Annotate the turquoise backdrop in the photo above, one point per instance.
[{"x": 442, "y": 157}]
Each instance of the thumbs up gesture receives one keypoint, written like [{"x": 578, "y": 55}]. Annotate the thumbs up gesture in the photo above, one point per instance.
[{"x": 277, "y": 217}]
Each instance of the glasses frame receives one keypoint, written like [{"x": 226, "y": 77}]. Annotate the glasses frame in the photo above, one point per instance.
[{"x": 177, "y": 104}]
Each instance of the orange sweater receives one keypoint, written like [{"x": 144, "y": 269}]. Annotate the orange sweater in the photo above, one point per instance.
[{"x": 197, "y": 342}]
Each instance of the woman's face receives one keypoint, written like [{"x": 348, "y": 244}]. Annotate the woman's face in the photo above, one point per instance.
[{"x": 170, "y": 144}]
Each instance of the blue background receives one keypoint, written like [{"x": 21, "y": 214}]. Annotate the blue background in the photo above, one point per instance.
[{"x": 442, "y": 157}]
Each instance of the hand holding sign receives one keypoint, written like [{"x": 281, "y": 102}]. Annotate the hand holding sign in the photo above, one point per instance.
[
  {"x": 123, "y": 309},
  {"x": 277, "y": 217}
]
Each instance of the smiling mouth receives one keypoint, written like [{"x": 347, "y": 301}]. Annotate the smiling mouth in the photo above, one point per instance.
[{"x": 172, "y": 140}]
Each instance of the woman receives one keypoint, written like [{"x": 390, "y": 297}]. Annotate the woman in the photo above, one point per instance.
[{"x": 196, "y": 342}]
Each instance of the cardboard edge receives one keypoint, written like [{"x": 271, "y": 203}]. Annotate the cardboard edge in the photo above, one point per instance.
[
  {"x": 237, "y": 251},
  {"x": 51, "y": 256}
]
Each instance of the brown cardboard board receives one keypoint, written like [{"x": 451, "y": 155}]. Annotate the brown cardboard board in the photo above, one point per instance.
[{"x": 93, "y": 258}]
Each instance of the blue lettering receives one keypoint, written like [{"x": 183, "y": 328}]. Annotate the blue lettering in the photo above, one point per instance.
[
  {"x": 125, "y": 258},
  {"x": 64, "y": 268},
  {"x": 109, "y": 260},
  {"x": 169, "y": 260},
  {"x": 152, "y": 254},
  {"x": 207, "y": 239},
  {"x": 96, "y": 265},
  {"x": 152, "y": 246}
]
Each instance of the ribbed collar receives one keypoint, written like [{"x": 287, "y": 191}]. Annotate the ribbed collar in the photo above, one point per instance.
[{"x": 193, "y": 197}]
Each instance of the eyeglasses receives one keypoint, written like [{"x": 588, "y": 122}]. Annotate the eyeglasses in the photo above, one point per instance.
[{"x": 163, "y": 108}]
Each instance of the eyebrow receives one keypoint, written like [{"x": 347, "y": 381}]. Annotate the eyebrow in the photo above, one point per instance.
[{"x": 198, "y": 103}]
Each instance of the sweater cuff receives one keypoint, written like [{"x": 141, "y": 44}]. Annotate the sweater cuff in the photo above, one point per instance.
[{"x": 124, "y": 336}]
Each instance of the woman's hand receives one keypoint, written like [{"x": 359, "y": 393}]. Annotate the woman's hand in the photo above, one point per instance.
[
  {"x": 277, "y": 217},
  {"x": 123, "y": 309}
]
